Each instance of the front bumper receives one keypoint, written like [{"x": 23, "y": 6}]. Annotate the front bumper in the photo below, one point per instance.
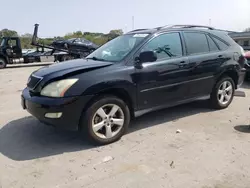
[{"x": 70, "y": 107}]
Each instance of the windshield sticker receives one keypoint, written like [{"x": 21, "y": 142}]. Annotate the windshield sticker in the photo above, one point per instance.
[{"x": 140, "y": 35}]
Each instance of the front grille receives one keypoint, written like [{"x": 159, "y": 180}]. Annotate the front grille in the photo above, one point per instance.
[{"x": 33, "y": 81}]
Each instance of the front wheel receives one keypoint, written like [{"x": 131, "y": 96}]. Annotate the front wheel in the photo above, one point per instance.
[
  {"x": 106, "y": 120},
  {"x": 2, "y": 63},
  {"x": 223, "y": 93}
]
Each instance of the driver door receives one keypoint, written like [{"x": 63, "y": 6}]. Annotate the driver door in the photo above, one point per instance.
[
  {"x": 14, "y": 44},
  {"x": 163, "y": 81}
]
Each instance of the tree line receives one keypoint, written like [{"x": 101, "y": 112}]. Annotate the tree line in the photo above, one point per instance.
[{"x": 97, "y": 38}]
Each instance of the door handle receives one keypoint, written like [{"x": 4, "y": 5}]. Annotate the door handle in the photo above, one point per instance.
[{"x": 183, "y": 64}]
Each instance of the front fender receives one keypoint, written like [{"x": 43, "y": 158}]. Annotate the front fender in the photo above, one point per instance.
[{"x": 104, "y": 86}]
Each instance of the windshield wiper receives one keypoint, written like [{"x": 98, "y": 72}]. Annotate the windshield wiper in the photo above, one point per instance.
[{"x": 96, "y": 59}]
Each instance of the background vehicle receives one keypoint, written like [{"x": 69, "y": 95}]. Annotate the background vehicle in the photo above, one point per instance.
[
  {"x": 247, "y": 55},
  {"x": 70, "y": 49},
  {"x": 76, "y": 44},
  {"x": 141, "y": 71},
  {"x": 37, "y": 55},
  {"x": 10, "y": 51}
]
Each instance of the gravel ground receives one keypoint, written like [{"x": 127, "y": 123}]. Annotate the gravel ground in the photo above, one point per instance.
[{"x": 211, "y": 151}]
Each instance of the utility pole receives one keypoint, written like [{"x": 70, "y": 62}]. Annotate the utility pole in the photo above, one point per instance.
[
  {"x": 133, "y": 22},
  {"x": 210, "y": 22},
  {"x": 125, "y": 28}
]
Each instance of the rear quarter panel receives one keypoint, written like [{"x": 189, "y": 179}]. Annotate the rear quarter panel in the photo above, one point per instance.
[{"x": 230, "y": 62}]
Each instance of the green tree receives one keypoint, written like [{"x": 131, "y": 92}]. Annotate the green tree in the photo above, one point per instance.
[
  {"x": 95, "y": 37},
  {"x": 26, "y": 40},
  {"x": 116, "y": 32},
  {"x": 8, "y": 33}
]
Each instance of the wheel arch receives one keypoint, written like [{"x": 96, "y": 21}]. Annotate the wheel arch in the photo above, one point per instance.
[
  {"x": 232, "y": 73},
  {"x": 120, "y": 92},
  {"x": 4, "y": 57}
]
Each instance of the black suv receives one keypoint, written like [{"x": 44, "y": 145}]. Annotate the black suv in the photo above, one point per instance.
[{"x": 140, "y": 71}]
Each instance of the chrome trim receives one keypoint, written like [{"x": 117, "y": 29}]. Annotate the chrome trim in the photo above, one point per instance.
[
  {"x": 37, "y": 76},
  {"x": 179, "y": 83}
]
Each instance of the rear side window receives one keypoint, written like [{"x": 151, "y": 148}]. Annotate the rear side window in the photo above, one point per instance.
[
  {"x": 222, "y": 45},
  {"x": 196, "y": 43},
  {"x": 212, "y": 46}
]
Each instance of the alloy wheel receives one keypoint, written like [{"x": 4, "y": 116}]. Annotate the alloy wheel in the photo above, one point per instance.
[
  {"x": 225, "y": 92},
  {"x": 108, "y": 121}
]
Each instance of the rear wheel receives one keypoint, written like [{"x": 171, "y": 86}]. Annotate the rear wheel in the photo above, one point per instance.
[
  {"x": 223, "y": 93},
  {"x": 106, "y": 120},
  {"x": 66, "y": 58},
  {"x": 2, "y": 63}
]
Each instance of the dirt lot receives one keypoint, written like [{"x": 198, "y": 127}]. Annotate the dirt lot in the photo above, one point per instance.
[{"x": 212, "y": 151}]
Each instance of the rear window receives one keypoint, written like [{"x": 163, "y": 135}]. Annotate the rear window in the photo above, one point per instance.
[
  {"x": 196, "y": 43},
  {"x": 222, "y": 45},
  {"x": 212, "y": 46}
]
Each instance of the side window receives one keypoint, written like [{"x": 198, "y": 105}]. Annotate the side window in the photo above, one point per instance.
[
  {"x": 196, "y": 43},
  {"x": 165, "y": 46},
  {"x": 222, "y": 45},
  {"x": 212, "y": 46}
]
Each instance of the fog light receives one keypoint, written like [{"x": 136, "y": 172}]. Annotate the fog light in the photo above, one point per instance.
[{"x": 53, "y": 115}]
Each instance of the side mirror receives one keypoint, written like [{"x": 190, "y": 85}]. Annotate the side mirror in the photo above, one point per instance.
[{"x": 147, "y": 56}]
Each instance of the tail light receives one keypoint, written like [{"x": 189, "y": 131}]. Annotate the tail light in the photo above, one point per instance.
[
  {"x": 243, "y": 58},
  {"x": 247, "y": 57},
  {"x": 242, "y": 51}
]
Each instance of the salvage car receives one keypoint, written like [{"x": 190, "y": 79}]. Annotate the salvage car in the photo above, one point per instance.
[
  {"x": 75, "y": 44},
  {"x": 65, "y": 49},
  {"x": 133, "y": 74}
]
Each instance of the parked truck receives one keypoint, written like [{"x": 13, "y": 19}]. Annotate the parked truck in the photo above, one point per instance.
[
  {"x": 10, "y": 51},
  {"x": 59, "y": 50}
]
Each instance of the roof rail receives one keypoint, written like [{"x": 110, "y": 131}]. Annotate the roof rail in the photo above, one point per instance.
[
  {"x": 137, "y": 30},
  {"x": 184, "y": 26}
]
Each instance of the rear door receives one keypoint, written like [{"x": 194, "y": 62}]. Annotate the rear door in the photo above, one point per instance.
[{"x": 205, "y": 58}]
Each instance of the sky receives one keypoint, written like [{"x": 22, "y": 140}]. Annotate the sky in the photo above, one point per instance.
[{"x": 58, "y": 17}]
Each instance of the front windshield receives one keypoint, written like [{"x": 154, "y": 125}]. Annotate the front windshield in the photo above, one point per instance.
[{"x": 116, "y": 49}]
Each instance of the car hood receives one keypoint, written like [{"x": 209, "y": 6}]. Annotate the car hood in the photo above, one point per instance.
[{"x": 70, "y": 67}]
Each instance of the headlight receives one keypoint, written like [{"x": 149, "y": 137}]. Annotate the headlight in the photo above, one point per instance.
[{"x": 58, "y": 88}]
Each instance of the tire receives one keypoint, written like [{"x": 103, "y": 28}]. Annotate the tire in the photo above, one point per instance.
[
  {"x": 91, "y": 116},
  {"x": 220, "y": 92},
  {"x": 2, "y": 63},
  {"x": 66, "y": 58}
]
